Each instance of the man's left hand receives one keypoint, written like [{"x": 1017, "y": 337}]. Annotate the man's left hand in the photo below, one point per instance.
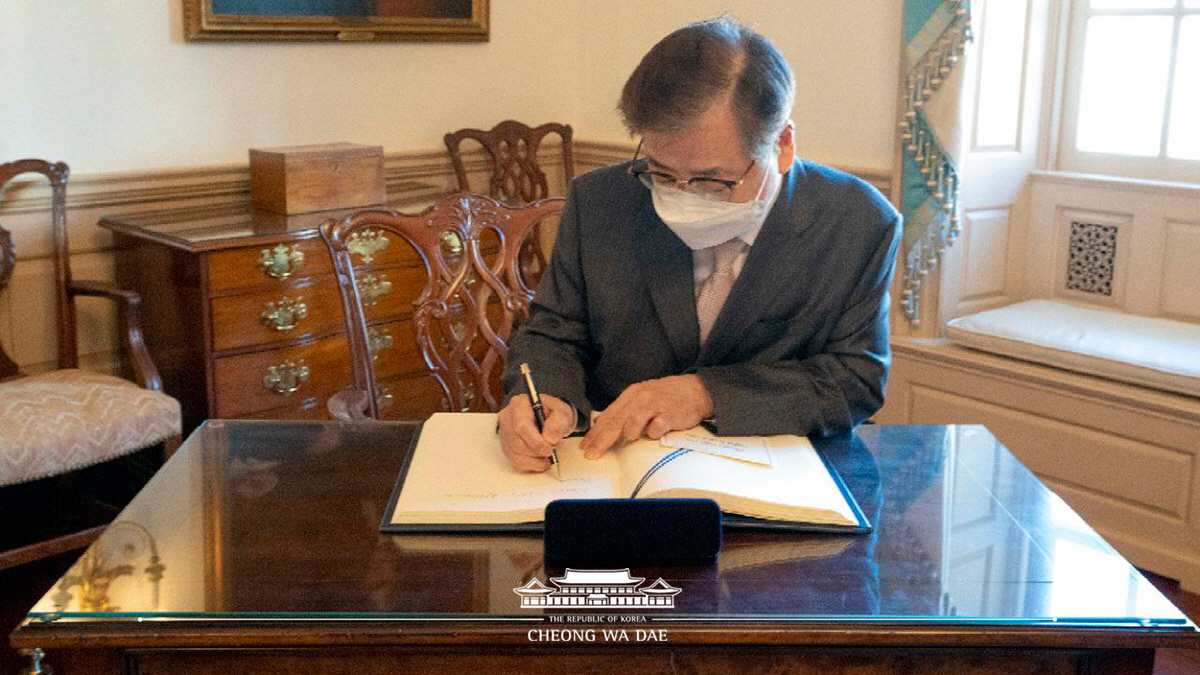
[{"x": 650, "y": 408}]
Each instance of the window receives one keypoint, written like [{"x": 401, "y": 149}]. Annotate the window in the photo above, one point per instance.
[{"x": 1132, "y": 89}]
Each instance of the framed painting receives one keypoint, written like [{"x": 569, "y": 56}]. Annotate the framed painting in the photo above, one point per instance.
[{"x": 336, "y": 20}]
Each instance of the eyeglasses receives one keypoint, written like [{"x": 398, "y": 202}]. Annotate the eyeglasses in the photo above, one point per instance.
[{"x": 716, "y": 189}]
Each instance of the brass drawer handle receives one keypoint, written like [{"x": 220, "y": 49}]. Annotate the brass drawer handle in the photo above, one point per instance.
[
  {"x": 386, "y": 397},
  {"x": 371, "y": 287},
  {"x": 285, "y": 314},
  {"x": 280, "y": 262},
  {"x": 367, "y": 243},
  {"x": 285, "y": 378},
  {"x": 451, "y": 243},
  {"x": 378, "y": 340}
]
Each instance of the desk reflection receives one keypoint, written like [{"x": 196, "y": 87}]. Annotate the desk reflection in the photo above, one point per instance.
[
  {"x": 840, "y": 572},
  {"x": 283, "y": 519}
]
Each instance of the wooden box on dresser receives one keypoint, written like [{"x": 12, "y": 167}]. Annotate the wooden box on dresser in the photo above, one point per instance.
[{"x": 242, "y": 313}]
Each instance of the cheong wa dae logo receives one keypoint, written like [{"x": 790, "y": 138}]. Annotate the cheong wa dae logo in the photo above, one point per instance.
[{"x": 589, "y": 589}]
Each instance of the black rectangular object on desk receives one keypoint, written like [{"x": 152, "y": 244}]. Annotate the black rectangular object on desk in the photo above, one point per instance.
[{"x": 628, "y": 532}]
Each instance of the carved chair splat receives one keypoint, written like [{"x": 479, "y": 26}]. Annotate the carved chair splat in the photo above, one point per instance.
[
  {"x": 477, "y": 291},
  {"x": 516, "y": 175}
]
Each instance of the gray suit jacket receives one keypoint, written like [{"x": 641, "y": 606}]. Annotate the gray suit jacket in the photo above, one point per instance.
[{"x": 801, "y": 346}]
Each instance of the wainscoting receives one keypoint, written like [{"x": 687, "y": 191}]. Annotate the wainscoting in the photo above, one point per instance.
[
  {"x": 1127, "y": 245},
  {"x": 414, "y": 179},
  {"x": 1125, "y": 457},
  {"x": 27, "y": 318}
]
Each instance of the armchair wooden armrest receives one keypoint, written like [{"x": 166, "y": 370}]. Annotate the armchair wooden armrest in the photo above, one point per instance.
[{"x": 130, "y": 319}]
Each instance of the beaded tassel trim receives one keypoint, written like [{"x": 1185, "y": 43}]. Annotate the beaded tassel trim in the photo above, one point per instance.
[{"x": 922, "y": 149}]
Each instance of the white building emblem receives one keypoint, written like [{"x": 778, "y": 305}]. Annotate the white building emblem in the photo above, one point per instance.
[{"x": 597, "y": 588}]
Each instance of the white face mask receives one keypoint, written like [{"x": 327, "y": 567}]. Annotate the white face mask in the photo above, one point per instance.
[{"x": 702, "y": 223}]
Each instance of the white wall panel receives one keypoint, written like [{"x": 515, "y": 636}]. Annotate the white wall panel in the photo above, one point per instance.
[
  {"x": 114, "y": 90},
  {"x": 985, "y": 248},
  {"x": 1154, "y": 479},
  {"x": 1156, "y": 272},
  {"x": 1181, "y": 271},
  {"x": 157, "y": 101}
]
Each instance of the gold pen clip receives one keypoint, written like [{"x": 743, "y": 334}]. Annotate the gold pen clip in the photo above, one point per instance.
[{"x": 539, "y": 415}]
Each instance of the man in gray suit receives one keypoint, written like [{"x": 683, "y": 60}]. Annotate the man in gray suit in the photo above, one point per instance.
[{"x": 715, "y": 278}]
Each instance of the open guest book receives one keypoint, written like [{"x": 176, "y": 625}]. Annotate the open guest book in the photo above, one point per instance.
[{"x": 457, "y": 478}]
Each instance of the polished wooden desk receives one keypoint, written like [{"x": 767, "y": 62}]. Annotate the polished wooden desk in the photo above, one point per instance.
[{"x": 256, "y": 548}]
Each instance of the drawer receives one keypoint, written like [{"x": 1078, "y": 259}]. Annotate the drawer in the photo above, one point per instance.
[
  {"x": 388, "y": 292},
  {"x": 412, "y": 397},
  {"x": 307, "y": 306},
  {"x": 311, "y": 408},
  {"x": 394, "y": 345},
  {"x": 256, "y": 265},
  {"x": 382, "y": 249},
  {"x": 407, "y": 397},
  {"x": 280, "y": 378},
  {"x": 264, "y": 317}
]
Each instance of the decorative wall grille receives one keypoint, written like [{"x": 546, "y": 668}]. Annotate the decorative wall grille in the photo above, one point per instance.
[{"x": 1091, "y": 258}]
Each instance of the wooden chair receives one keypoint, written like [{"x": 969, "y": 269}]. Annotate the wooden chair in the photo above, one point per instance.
[
  {"x": 476, "y": 292},
  {"x": 65, "y": 420},
  {"x": 516, "y": 176}
]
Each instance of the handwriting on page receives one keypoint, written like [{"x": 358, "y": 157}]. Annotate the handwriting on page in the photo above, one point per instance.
[
  {"x": 517, "y": 495},
  {"x": 741, "y": 448},
  {"x": 565, "y": 490}
]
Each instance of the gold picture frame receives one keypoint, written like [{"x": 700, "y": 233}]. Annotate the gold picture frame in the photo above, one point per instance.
[{"x": 347, "y": 21}]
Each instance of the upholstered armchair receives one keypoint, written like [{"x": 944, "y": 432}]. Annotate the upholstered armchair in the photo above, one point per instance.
[{"x": 58, "y": 422}]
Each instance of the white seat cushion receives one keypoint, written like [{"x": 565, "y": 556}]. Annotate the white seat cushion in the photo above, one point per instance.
[
  {"x": 68, "y": 419},
  {"x": 1141, "y": 350}
]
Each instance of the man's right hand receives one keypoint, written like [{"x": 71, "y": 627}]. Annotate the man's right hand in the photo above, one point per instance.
[{"x": 528, "y": 450}]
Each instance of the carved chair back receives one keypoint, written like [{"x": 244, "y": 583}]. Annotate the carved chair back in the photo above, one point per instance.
[
  {"x": 515, "y": 174},
  {"x": 476, "y": 292},
  {"x": 512, "y": 149},
  {"x": 57, "y": 174}
]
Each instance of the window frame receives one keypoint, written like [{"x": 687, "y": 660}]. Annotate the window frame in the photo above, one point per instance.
[{"x": 1070, "y": 159}]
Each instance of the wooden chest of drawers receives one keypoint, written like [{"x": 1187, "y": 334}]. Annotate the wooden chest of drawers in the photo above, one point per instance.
[{"x": 244, "y": 317}]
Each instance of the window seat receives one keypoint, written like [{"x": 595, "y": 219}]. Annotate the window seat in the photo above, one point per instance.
[
  {"x": 1146, "y": 351},
  {"x": 1114, "y": 436}
]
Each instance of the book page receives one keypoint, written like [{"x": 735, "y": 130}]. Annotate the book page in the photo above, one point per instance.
[
  {"x": 753, "y": 449},
  {"x": 459, "y": 474},
  {"x": 797, "y": 487}
]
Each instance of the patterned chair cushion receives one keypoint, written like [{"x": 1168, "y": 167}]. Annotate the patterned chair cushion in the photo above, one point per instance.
[{"x": 67, "y": 419}]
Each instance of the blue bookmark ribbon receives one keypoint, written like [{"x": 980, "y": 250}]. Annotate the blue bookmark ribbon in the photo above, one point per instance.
[{"x": 658, "y": 465}]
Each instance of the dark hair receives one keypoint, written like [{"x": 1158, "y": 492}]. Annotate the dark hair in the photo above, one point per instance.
[{"x": 689, "y": 70}]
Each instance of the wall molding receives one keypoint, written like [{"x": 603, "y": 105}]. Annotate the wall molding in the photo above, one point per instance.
[
  {"x": 213, "y": 184},
  {"x": 405, "y": 173},
  {"x": 413, "y": 179},
  {"x": 1142, "y": 185},
  {"x": 595, "y": 154}
]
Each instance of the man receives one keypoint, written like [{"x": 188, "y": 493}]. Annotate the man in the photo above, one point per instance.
[{"x": 715, "y": 278}]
